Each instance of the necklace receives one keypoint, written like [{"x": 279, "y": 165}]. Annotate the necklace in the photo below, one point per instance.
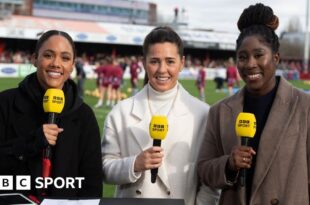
[{"x": 149, "y": 102}]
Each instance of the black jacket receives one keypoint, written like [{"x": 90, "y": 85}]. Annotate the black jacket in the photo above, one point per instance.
[{"x": 77, "y": 152}]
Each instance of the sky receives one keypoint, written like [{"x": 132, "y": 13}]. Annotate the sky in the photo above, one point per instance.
[{"x": 222, "y": 15}]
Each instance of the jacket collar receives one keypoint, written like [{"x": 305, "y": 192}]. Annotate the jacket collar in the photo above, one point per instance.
[
  {"x": 283, "y": 97},
  {"x": 235, "y": 103},
  {"x": 140, "y": 105}
]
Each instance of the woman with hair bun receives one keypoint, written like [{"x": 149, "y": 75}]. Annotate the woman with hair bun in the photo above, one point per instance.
[{"x": 276, "y": 160}]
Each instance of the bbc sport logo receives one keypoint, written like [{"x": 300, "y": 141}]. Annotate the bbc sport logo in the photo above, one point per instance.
[
  {"x": 6, "y": 183},
  {"x": 23, "y": 182}
]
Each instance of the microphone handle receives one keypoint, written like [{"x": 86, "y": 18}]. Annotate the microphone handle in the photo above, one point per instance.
[
  {"x": 244, "y": 142},
  {"x": 156, "y": 143},
  {"x": 51, "y": 118},
  {"x": 48, "y": 149},
  {"x": 154, "y": 172},
  {"x": 47, "y": 152}
]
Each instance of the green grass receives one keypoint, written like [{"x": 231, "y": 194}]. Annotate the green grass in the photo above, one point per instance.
[{"x": 211, "y": 98}]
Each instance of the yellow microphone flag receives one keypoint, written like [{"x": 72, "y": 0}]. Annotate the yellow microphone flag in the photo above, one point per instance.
[
  {"x": 158, "y": 127},
  {"x": 246, "y": 125},
  {"x": 53, "y": 100}
]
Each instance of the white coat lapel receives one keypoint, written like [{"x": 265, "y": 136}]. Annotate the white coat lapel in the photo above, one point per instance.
[
  {"x": 177, "y": 115},
  {"x": 228, "y": 120},
  {"x": 141, "y": 113},
  {"x": 180, "y": 108}
]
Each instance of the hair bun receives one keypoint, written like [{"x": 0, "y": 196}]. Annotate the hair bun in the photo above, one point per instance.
[
  {"x": 274, "y": 23},
  {"x": 258, "y": 14}
]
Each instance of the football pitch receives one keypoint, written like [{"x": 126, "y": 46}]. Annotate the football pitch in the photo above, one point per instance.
[{"x": 90, "y": 85}]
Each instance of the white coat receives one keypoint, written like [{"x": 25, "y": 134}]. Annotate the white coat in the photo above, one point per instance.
[{"x": 126, "y": 135}]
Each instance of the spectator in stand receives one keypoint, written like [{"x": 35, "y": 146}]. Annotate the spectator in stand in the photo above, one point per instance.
[
  {"x": 201, "y": 82},
  {"x": 80, "y": 75},
  {"x": 17, "y": 57},
  {"x": 135, "y": 69}
]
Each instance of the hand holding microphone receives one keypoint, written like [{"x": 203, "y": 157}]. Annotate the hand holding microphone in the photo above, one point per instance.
[
  {"x": 51, "y": 132},
  {"x": 53, "y": 104},
  {"x": 152, "y": 157},
  {"x": 158, "y": 131},
  {"x": 149, "y": 159},
  {"x": 241, "y": 157}
]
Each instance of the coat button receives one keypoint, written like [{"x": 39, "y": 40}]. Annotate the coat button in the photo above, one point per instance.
[
  {"x": 138, "y": 192},
  {"x": 274, "y": 201},
  {"x": 168, "y": 192}
]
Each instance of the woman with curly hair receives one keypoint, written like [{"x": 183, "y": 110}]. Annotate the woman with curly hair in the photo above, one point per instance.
[{"x": 276, "y": 160}]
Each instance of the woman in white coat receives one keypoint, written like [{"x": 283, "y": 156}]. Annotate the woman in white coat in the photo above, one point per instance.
[{"x": 128, "y": 154}]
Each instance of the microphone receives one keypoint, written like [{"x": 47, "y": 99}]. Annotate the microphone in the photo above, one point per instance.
[
  {"x": 53, "y": 104},
  {"x": 245, "y": 129},
  {"x": 158, "y": 130}
]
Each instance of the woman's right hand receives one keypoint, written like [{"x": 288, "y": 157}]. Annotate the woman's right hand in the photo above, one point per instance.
[
  {"x": 241, "y": 157},
  {"x": 51, "y": 132},
  {"x": 149, "y": 159}
]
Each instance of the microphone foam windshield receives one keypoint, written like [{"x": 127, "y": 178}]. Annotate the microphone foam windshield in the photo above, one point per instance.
[
  {"x": 246, "y": 125},
  {"x": 158, "y": 127},
  {"x": 53, "y": 100}
]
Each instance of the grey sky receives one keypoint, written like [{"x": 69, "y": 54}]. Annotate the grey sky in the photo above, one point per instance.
[{"x": 222, "y": 15}]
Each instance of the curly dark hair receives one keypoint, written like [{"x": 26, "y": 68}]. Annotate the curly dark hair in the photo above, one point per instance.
[{"x": 259, "y": 20}]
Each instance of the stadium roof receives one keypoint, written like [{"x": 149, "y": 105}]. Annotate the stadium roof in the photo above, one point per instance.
[{"x": 27, "y": 27}]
